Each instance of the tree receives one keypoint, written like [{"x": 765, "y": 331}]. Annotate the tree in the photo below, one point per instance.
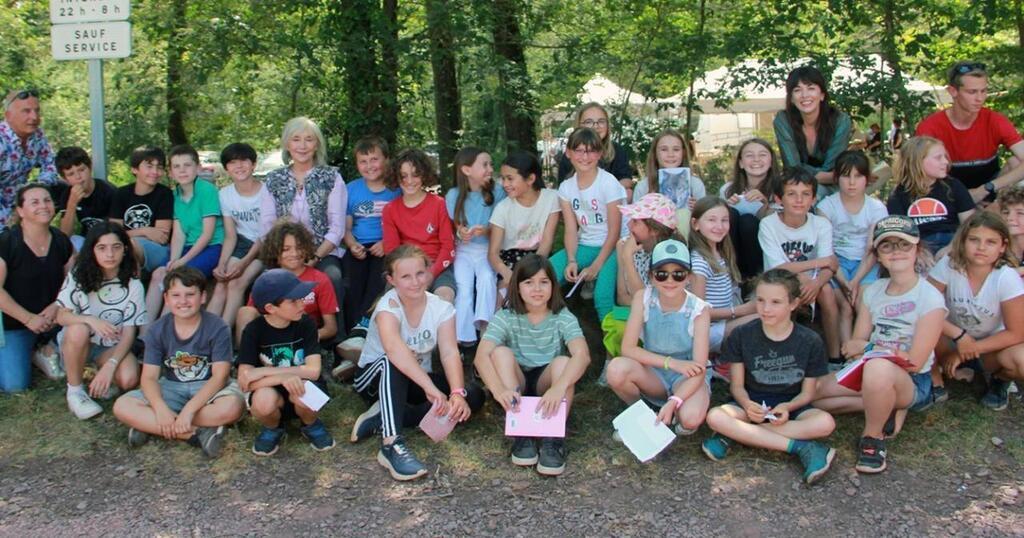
[
  {"x": 447, "y": 105},
  {"x": 515, "y": 96}
]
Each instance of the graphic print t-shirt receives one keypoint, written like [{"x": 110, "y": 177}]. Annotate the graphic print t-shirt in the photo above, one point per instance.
[
  {"x": 524, "y": 226},
  {"x": 190, "y": 359},
  {"x": 775, "y": 367},
  {"x": 366, "y": 208},
  {"x": 112, "y": 303},
  {"x": 142, "y": 211},
  {"x": 980, "y": 314},
  {"x": 895, "y": 317},
  {"x": 782, "y": 244},
  {"x": 937, "y": 211},
  {"x": 264, "y": 345},
  {"x": 590, "y": 206},
  {"x": 421, "y": 339}
]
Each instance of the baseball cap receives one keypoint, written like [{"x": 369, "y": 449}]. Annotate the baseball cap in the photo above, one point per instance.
[
  {"x": 276, "y": 285},
  {"x": 670, "y": 251},
  {"x": 652, "y": 206},
  {"x": 896, "y": 226}
]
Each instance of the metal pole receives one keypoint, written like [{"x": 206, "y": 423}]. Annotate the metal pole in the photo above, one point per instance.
[{"x": 99, "y": 146}]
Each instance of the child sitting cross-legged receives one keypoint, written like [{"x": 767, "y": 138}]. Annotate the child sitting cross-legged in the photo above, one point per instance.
[
  {"x": 775, "y": 364},
  {"x": 278, "y": 353}
]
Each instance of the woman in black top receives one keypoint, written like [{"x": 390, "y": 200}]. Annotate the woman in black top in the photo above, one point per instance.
[{"x": 34, "y": 257}]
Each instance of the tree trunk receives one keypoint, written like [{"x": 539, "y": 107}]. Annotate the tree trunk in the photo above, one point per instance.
[
  {"x": 515, "y": 100},
  {"x": 447, "y": 105},
  {"x": 175, "y": 95},
  {"x": 698, "y": 70},
  {"x": 389, "y": 72},
  {"x": 891, "y": 54}
]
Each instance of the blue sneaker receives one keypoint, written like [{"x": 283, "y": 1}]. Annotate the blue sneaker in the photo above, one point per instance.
[
  {"x": 716, "y": 447},
  {"x": 268, "y": 441},
  {"x": 367, "y": 424},
  {"x": 400, "y": 461},
  {"x": 318, "y": 436},
  {"x": 998, "y": 395},
  {"x": 816, "y": 459}
]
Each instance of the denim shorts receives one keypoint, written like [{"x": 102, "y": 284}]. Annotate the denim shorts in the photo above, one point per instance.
[
  {"x": 155, "y": 255},
  {"x": 242, "y": 247},
  {"x": 444, "y": 280},
  {"x": 95, "y": 350},
  {"x": 669, "y": 379},
  {"x": 176, "y": 393},
  {"x": 849, "y": 268},
  {"x": 922, "y": 390}
]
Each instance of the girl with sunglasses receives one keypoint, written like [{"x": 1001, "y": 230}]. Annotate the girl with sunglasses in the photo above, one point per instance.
[{"x": 669, "y": 370}]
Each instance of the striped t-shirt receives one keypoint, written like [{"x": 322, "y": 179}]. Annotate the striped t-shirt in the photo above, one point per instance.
[
  {"x": 720, "y": 290},
  {"x": 533, "y": 345}
]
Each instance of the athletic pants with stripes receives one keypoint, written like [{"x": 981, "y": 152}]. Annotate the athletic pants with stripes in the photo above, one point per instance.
[{"x": 402, "y": 402}]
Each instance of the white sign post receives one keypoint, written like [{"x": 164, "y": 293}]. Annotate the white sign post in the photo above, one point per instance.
[{"x": 92, "y": 30}]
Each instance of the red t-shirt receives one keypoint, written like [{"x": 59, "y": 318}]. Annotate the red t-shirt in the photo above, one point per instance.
[
  {"x": 427, "y": 226},
  {"x": 973, "y": 152},
  {"x": 321, "y": 301}
]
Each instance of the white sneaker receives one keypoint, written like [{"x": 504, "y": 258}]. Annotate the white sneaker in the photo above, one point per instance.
[
  {"x": 680, "y": 431},
  {"x": 344, "y": 370},
  {"x": 82, "y": 405},
  {"x": 48, "y": 361},
  {"x": 616, "y": 436},
  {"x": 351, "y": 348}
]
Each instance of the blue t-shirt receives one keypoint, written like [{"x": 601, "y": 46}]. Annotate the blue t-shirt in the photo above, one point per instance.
[
  {"x": 366, "y": 207},
  {"x": 477, "y": 214}
]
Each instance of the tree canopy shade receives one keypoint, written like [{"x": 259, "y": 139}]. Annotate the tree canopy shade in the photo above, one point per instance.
[{"x": 443, "y": 73}]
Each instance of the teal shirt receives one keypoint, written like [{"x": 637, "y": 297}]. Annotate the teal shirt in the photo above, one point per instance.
[
  {"x": 821, "y": 159},
  {"x": 533, "y": 345},
  {"x": 190, "y": 214}
]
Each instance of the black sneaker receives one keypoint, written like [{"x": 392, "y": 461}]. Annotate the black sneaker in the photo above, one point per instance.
[
  {"x": 137, "y": 438},
  {"x": 268, "y": 441},
  {"x": 872, "y": 455},
  {"x": 524, "y": 451},
  {"x": 998, "y": 395},
  {"x": 318, "y": 436},
  {"x": 400, "y": 461},
  {"x": 551, "y": 459},
  {"x": 210, "y": 440},
  {"x": 367, "y": 425}
]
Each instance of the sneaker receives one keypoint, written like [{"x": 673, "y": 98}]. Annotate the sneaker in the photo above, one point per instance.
[
  {"x": 872, "y": 455},
  {"x": 524, "y": 451},
  {"x": 551, "y": 457},
  {"x": 268, "y": 441},
  {"x": 318, "y": 436},
  {"x": 816, "y": 459},
  {"x": 998, "y": 394},
  {"x": 210, "y": 440},
  {"x": 616, "y": 436},
  {"x": 344, "y": 370},
  {"x": 889, "y": 428},
  {"x": 351, "y": 347},
  {"x": 400, "y": 461},
  {"x": 137, "y": 438},
  {"x": 716, "y": 447},
  {"x": 83, "y": 406},
  {"x": 602, "y": 380},
  {"x": 367, "y": 425},
  {"x": 939, "y": 394},
  {"x": 48, "y": 361},
  {"x": 680, "y": 431}
]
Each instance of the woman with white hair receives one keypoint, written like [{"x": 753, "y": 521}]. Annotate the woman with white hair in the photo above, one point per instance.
[{"x": 308, "y": 191}]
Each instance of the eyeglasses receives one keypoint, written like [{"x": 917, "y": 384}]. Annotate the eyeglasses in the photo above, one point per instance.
[
  {"x": 586, "y": 151},
  {"x": 888, "y": 247},
  {"x": 23, "y": 94},
  {"x": 596, "y": 123},
  {"x": 662, "y": 276}
]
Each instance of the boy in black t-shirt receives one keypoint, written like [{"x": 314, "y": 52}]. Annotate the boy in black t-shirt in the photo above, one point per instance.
[
  {"x": 146, "y": 208},
  {"x": 83, "y": 199},
  {"x": 774, "y": 366},
  {"x": 279, "y": 352}
]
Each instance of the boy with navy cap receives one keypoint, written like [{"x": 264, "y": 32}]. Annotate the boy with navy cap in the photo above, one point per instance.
[{"x": 279, "y": 352}]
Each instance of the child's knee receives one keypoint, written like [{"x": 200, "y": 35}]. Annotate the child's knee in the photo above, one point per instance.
[
  {"x": 618, "y": 370},
  {"x": 716, "y": 417},
  {"x": 76, "y": 334},
  {"x": 265, "y": 401},
  {"x": 127, "y": 378}
]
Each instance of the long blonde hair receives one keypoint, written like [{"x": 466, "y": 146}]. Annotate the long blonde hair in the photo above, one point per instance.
[
  {"x": 909, "y": 172},
  {"x": 981, "y": 219},
  {"x": 652, "y": 157},
  {"x": 698, "y": 243},
  {"x": 608, "y": 154}
]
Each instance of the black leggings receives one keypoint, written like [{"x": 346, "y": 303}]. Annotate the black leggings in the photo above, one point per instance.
[
  {"x": 403, "y": 403},
  {"x": 364, "y": 282}
]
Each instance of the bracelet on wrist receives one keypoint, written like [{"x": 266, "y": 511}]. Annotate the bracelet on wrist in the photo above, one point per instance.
[
  {"x": 667, "y": 360},
  {"x": 458, "y": 392},
  {"x": 732, "y": 312},
  {"x": 678, "y": 401},
  {"x": 963, "y": 332}
]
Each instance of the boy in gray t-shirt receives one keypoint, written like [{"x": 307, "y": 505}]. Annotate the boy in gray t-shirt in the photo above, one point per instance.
[{"x": 185, "y": 391}]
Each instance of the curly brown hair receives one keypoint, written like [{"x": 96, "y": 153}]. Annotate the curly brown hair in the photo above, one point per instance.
[
  {"x": 420, "y": 162},
  {"x": 273, "y": 243},
  {"x": 1011, "y": 196}
]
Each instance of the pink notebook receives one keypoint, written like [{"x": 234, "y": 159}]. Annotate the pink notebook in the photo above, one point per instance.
[
  {"x": 437, "y": 427},
  {"x": 528, "y": 422}
]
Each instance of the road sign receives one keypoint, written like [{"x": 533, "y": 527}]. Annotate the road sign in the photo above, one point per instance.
[
  {"x": 75, "y": 11},
  {"x": 91, "y": 41}
]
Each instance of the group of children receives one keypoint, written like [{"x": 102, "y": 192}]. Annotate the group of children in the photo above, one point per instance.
[{"x": 427, "y": 277}]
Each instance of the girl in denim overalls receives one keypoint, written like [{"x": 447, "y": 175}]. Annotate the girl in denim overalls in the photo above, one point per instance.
[{"x": 669, "y": 370}]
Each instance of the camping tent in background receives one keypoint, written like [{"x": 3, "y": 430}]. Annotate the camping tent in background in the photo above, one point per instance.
[
  {"x": 755, "y": 107},
  {"x": 600, "y": 89}
]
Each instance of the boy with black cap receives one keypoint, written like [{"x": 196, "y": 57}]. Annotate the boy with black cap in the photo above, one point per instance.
[{"x": 279, "y": 351}]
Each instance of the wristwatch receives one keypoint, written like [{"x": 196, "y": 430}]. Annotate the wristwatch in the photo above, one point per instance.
[
  {"x": 460, "y": 392},
  {"x": 990, "y": 187}
]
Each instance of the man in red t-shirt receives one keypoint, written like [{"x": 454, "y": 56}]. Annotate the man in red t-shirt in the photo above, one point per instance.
[{"x": 973, "y": 134}]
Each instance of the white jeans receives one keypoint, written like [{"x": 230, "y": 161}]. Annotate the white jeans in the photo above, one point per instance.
[{"x": 475, "y": 281}]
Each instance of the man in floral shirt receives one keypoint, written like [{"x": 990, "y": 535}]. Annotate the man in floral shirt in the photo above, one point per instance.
[{"x": 23, "y": 146}]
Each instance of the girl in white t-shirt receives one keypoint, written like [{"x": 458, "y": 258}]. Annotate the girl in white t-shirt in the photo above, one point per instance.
[
  {"x": 102, "y": 304},
  {"x": 715, "y": 276},
  {"x": 901, "y": 314},
  {"x": 248, "y": 214},
  {"x": 853, "y": 215},
  {"x": 985, "y": 298},
  {"x": 590, "y": 201},
  {"x": 394, "y": 372},
  {"x": 525, "y": 222}
]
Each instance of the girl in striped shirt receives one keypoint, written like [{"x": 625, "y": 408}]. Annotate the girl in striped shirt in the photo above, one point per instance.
[{"x": 714, "y": 276}]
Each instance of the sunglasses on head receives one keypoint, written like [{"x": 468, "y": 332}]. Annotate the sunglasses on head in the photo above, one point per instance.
[
  {"x": 23, "y": 94},
  {"x": 967, "y": 68},
  {"x": 662, "y": 276}
]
